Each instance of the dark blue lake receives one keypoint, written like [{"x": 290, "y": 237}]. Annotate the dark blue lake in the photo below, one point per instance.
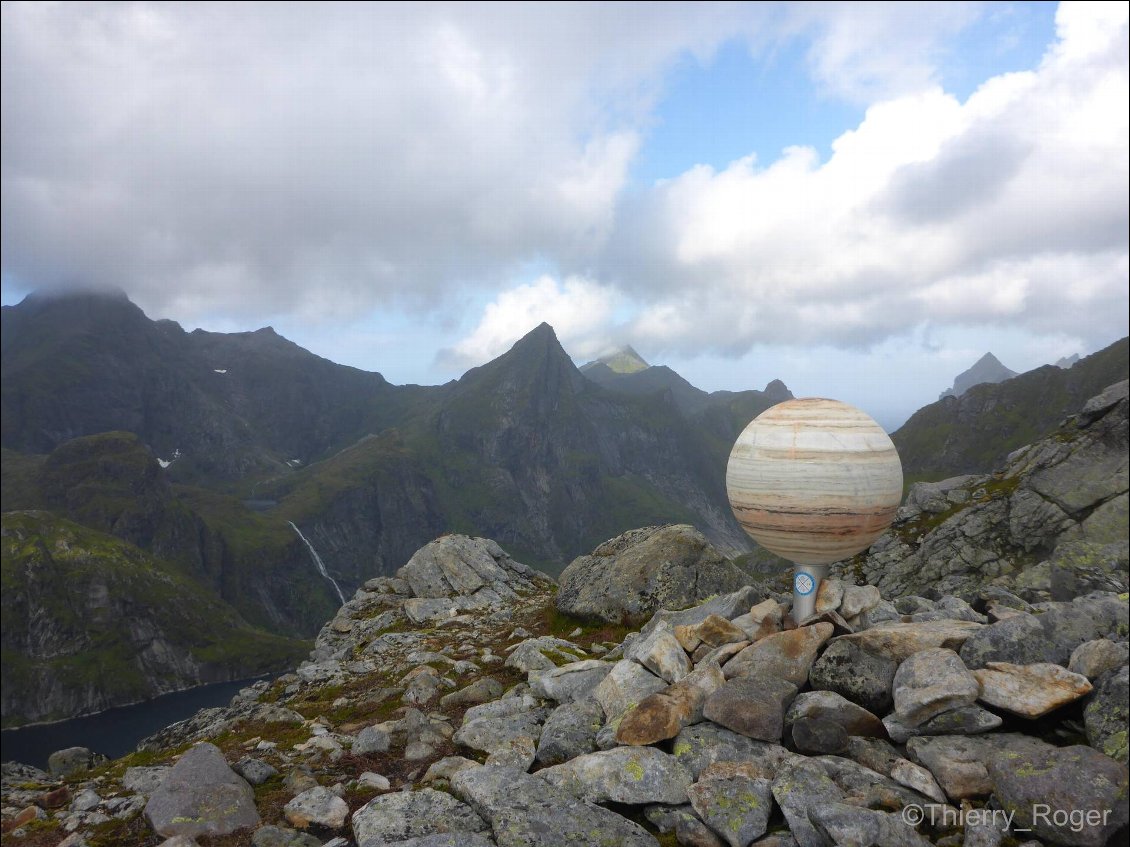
[{"x": 114, "y": 732}]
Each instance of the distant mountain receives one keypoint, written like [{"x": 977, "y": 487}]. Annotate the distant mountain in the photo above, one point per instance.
[
  {"x": 976, "y": 431},
  {"x": 205, "y": 454},
  {"x": 1067, "y": 361},
  {"x": 986, "y": 369},
  {"x": 624, "y": 360}
]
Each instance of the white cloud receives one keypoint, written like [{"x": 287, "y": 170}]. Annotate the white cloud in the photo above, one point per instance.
[{"x": 1007, "y": 209}]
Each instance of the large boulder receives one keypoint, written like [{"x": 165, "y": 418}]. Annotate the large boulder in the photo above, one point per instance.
[
  {"x": 201, "y": 795},
  {"x": 460, "y": 566},
  {"x": 629, "y": 578}
]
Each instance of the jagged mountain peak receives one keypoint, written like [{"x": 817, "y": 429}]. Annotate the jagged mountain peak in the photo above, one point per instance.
[
  {"x": 986, "y": 369},
  {"x": 622, "y": 360}
]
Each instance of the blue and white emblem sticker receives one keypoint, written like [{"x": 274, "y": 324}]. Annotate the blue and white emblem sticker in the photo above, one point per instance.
[{"x": 803, "y": 583}]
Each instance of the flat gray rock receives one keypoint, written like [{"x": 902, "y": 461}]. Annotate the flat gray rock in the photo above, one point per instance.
[
  {"x": 753, "y": 706},
  {"x": 960, "y": 763},
  {"x": 702, "y": 745},
  {"x": 1067, "y": 781},
  {"x": 930, "y": 682},
  {"x": 827, "y": 705},
  {"x": 570, "y": 682},
  {"x": 201, "y": 795},
  {"x": 524, "y": 811},
  {"x": 318, "y": 806},
  {"x": 396, "y": 817},
  {"x": 968, "y": 720},
  {"x": 489, "y": 733},
  {"x": 1106, "y": 715},
  {"x": 625, "y": 686},
  {"x": 851, "y": 826},
  {"x": 734, "y": 806},
  {"x": 633, "y": 775},
  {"x": 570, "y": 731},
  {"x": 800, "y": 787}
]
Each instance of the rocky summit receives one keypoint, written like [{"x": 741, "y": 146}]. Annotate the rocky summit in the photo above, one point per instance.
[{"x": 468, "y": 700}]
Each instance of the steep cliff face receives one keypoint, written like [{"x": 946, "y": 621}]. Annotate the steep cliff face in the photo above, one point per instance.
[
  {"x": 1051, "y": 524},
  {"x": 90, "y": 622},
  {"x": 975, "y": 433}
]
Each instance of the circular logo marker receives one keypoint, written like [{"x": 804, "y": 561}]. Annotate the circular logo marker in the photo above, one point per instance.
[{"x": 803, "y": 584}]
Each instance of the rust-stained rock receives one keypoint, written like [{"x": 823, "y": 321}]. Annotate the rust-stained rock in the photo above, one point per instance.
[
  {"x": 1030, "y": 690},
  {"x": 787, "y": 655}
]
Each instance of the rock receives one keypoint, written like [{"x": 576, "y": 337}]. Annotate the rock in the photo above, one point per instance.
[
  {"x": 863, "y": 677},
  {"x": 525, "y": 811},
  {"x": 54, "y": 799},
  {"x": 959, "y": 763},
  {"x": 1094, "y": 658},
  {"x": 858, "y": 599},
  {"x": 918, "y": 778},
  {"x": 634, "y": 775},
  {"x": 489, "y": 733},
  {"x": 706, "y": 655},
  {"x": 1030, "y": 690},
  {"x": 372, "y": 739},
  {"x": 752, "y": 705},
  {"x": 569, "y": 731},
  {"x": 1106, "y": 715},
  {"x": 444, "y": 839},
  {"x": 85, "y": 800},
  {"x": 691, "y": 832},
  {"x": 517, "y": 753},
  {"x": 70, "y": 760},
  {"x": 900, "y": 641},
  {"x": 318, "y": 806},
  {"x": 1066, "y": 795},
  {"x": 530, "y": 655},
  {"x": 625, "y": 686},
  {"x": 375, "y": 781},
  {"x": 570, "y": 682},
  {"x": 716, "y": 631},
  {"x": 1018, "y": 639},
  {"x": 396, "y": 817},
  {"x": 628, "y": 578},
  {"x": 873, "y": 753},
  {"x": 827, "y": 705},
  {"x": 281, "y": 836},
  {"x": 702, "y": 745},
  {"x": 660, "y": 652},
  {"x": 930, "y": 682},
  {"x": 763, "y": 619},
  {"x": 662, "y": 715},
  {"x": 482, "y": 690},
  {"x": 298, "y": 780},
  {"x": 819, "y": 735},
  {"x": 786, "y": 655},
  {"x": 968, "y": 720},
  {"x": 255, "y": 771},
  {"x": 444, "y": 769},
  {"x": 829, "y": 596},
  {"x": 735, "y": 806},
  {"x": 851, "y": 826},
  {"x": 201, "y": 795},
  {"x": 455, "y": 565},
  {"x": 800, "y": 788},
  {"x": 728, "y": 606}
]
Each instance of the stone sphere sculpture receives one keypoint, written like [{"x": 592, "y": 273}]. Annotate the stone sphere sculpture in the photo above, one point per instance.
[{"x": 814, "y": 481}]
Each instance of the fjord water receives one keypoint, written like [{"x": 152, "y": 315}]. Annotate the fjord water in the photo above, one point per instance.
[{"x": 114, "y": 732}]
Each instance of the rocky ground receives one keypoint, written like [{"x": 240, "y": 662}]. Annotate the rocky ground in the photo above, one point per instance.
[{"x": 454, "y": 704}]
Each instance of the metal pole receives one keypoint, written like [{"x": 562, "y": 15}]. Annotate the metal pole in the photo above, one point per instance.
[{"x": 806, "y": 582}]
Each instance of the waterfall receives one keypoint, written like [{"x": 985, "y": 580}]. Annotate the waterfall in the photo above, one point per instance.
[{"x": 318, "y": 562}]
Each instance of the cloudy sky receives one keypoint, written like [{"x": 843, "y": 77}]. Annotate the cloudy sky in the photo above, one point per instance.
[{"x": 859, "y": 199}]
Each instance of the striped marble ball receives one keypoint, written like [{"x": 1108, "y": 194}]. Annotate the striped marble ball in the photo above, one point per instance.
[{"x": 814, "y": 480}]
